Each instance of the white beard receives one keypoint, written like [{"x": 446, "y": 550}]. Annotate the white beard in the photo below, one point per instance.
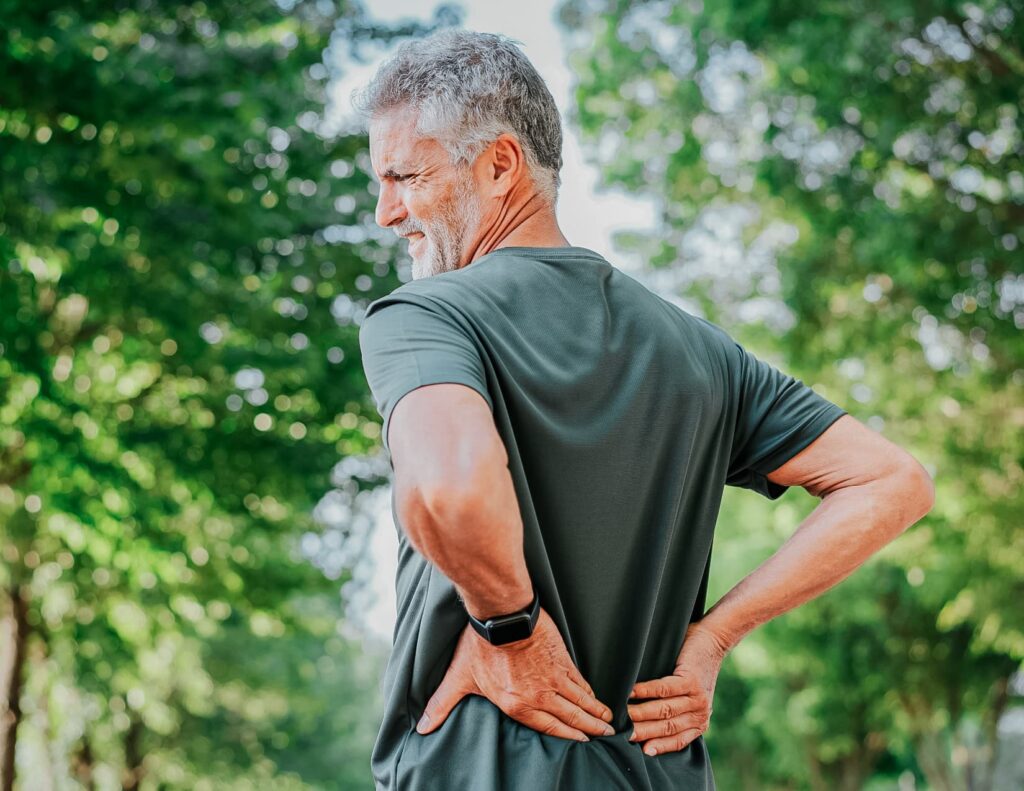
[{"x": 445, "y": 238}]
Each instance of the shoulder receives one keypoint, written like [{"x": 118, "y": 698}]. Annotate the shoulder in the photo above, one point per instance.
[
  {"x": 416, "y": 296},
  {"x": 452, "y": 294},
  {"x": 413, "y": 312},
  {"x": 714, "y": 339}
]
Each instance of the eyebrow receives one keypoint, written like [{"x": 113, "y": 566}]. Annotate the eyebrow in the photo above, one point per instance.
[{"x": 391, "y": 173}]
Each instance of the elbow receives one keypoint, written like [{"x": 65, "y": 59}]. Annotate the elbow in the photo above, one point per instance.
[
  {"x": 929, "y": 491},
  {"x": 411, "y": 513},
  {"x": 918, "y": 488},
  {"x": 423, "y": 511}
]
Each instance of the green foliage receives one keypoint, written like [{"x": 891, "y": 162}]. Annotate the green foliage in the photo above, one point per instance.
[
  {"x": 184, "y": 261},
  {"x": 872, "y": 156}
]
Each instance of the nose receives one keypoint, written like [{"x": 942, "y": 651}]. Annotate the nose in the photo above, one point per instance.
[{"x": 390, "y": 208}]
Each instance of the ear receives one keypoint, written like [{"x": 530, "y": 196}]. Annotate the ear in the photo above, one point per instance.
[{"x": 502, "y": 166}]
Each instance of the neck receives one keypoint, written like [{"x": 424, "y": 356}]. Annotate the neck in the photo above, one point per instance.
[{"x": 531, "y": 224}]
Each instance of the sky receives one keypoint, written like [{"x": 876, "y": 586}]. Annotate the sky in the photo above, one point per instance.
[{"x": 586, "y": 217}]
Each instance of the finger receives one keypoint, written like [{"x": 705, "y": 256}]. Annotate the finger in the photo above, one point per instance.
[
  {"x": 655, "y": 729},
  {"x": 663, "y": 708},
  {"x": 679, "y": 741},
  {"x": 667, "y": 687},
  {"x": 573, "y": 715},
  {"x": 585, "y": 699},
  {"x": 577, "y": 677},
  {"x": 546, "y": 723},
  {"x": 451, "y": 690}
]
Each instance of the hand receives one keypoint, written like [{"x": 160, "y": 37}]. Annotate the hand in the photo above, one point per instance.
[
  {"x": 682, "y": 711},
  {"x": 533, "y": 681}
]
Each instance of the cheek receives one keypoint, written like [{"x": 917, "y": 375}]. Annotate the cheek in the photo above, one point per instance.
[{"x": 420, "y": 203}]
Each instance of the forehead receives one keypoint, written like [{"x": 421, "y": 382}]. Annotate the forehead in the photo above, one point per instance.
[{"x": 396, "y": 148}]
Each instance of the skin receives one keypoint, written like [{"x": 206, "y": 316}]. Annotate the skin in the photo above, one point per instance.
[
  {"x": 456, "y": 500},
  {"x": 871, "y": 490},
  {"x": 455, "y": 215}
]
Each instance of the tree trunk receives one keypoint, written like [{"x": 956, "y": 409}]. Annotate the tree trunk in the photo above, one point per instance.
[
  {"x": 42, "y": 669},
  {"x": 132, "y": 757},
  {"x": 1000, "y": 700},
  {"x": 814, "y": 769},
  {"x": 14, "y": 629},
  {"x": 934, "y": 759},
  {"x": 82, "y": 764}
]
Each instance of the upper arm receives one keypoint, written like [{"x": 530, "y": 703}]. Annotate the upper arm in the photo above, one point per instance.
[
  {"x": 770, "y": 415},
  {"x": 443, "y": 439},
  {"x": 786, "y": 434},
  {"x": 849, "y": 453},
  {"x": 429, "y": 382}
]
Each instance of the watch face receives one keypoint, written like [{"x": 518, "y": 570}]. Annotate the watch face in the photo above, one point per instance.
[{"x": 508, "y": 630}]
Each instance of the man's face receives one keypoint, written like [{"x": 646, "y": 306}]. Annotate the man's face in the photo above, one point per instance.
[{"x": 422, "y": 196}]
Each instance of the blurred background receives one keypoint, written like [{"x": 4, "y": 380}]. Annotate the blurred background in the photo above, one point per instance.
[{"x": 196, "y": 545}]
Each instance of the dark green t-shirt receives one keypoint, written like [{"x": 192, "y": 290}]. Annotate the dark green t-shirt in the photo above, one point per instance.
[{"x": 624, "y": 417}]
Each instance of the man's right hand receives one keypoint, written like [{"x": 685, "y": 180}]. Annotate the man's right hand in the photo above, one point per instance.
[
  {"x": 679, "y": 709},
  {"x": 533, "y": 680}
]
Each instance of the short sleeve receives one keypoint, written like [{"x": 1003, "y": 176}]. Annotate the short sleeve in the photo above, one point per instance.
[
  {"x": 407, "y": 343},
  {"x": 775, "y": 417}
]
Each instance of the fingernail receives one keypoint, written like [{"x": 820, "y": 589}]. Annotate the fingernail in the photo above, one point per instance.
[
  {"x": 609, "y": 730},
  {"x": 585, "y": 738},
  {"x": 650, "y": 750},
  {"x": 632, "y": 736},
  {"x": 423, "y": 723}
]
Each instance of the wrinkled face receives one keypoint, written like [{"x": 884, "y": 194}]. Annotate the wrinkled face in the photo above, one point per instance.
[{"x": 422, "y": 195}]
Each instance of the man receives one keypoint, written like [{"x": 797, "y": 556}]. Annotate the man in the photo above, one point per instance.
[{"x": 560, "y": 438}]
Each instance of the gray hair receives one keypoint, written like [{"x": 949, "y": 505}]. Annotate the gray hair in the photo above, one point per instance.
[{"x": 468, "y": 88}]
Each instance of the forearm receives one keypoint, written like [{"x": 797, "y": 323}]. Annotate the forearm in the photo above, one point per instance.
[
  {"x": 846, "y": 528},
  {"x": 476, "y": 538}
]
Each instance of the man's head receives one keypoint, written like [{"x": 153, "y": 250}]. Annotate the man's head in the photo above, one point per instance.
[{"x": 463, "y": 135}]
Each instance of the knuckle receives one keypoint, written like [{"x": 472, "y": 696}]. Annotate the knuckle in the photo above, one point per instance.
[
  {"x": 665, "y": 710},
  {"x": 516, "y": 707}
]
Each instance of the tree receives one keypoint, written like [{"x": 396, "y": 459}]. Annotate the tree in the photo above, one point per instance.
[
  {"x": 184, "y": 261},
  {"x": 844, "y": 190}
]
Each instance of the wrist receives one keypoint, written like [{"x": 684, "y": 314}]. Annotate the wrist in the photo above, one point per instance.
[
  {"x": 724, "y": 639},
  {"x": 508, "y": 628},
  {"x": 484, "y": 608}
]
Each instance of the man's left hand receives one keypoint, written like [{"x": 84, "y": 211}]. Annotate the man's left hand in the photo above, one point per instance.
[
  {"x": 533, "y": 681},
  {"x": 679, "y": 705}
]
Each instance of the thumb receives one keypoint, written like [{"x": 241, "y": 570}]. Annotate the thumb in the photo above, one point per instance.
[{"x": 451, "y": 691}]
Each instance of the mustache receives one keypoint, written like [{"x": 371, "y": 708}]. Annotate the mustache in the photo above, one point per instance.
[{"x": 406, "y": 230}]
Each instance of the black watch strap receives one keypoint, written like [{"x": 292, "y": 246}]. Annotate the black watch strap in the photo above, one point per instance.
[{"x": 502, "y": 629}]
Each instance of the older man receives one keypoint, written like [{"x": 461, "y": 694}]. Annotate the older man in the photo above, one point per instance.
[{"x": 560, "y": 438}]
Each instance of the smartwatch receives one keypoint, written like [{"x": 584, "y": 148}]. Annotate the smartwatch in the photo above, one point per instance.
[{"x": 508, "y": 628}]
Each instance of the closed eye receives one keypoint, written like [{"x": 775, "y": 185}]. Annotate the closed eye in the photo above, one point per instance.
[{"x": 392, "y": 175}]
